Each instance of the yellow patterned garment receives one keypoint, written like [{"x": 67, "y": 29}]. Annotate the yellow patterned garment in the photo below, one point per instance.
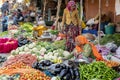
[{"x": 70, "y": 17}]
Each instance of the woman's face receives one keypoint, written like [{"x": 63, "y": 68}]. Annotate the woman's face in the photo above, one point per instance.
[{"x": 72, "y": 7}]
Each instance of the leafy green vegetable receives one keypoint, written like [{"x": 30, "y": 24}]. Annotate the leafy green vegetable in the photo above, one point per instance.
[
  {"x": 28, "y": 27},
  {"x": 54, "y": 32},
  {"x": 97, "y": 71},
  {"x": 111, "y": 38},
  {"x": 3, "y": 33},
  {"x": 59, "y": 44}
]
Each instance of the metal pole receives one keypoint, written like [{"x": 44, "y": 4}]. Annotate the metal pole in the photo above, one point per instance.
[
  {"x": 81, "y": 4},
  {"x": 99, "y": 21}
]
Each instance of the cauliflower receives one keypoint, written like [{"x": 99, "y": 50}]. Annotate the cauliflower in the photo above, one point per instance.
[
  {"x": 40, "y": 57},
  {"x": 46, "y": 57},
  {"x": 20, "y": 48},
  {"x": 56, "y": 54},
  {"x": 26, "y": 49},
  {"x": 13, "y": 52},
  {"x": 17, "y": 51},
  {"x": 21, "y": 52},
  {"x": 43, "y": 50},
  {"x": 34, "y": 49},
  {"x": 66, "y": 53},
  {"x": 49, "y": 53},
  {"x": 60, "y": 58}
]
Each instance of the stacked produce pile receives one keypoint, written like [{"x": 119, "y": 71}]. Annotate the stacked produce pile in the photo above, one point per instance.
[
  {"x": 97, "y": 71},
  {"x": 39, "y": 29},
  {"x": 25, "y": 30},
  {"x": 63, "y": 71},
  {"x": 27, "y": 59},
  {"x": 4, "y": 34},
  {"x": 111, "y": 38},
  {"x": 45, "y": 50},
  {"x": 53, "y": 60},
  {"x": 25, "y": 72},
  {"x": 22, "y": 41}
]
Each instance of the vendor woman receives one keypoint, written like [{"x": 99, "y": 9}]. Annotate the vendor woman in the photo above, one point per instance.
[
  {"x": 86, "y": 50},
  {"x": 71, "y": 22}
]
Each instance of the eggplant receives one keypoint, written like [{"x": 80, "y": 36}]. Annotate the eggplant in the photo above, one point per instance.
[
  {"x": 51, "y": 63},
  {"x": 10, "y": 78},
  {"x": 67, "y": 77},
  {"x": 71, "y": 72},
  {"x": 40, "y": 66},
  {"x": 58, "y": 70},
  {"x": 63, "y": 73},
  {"x": 76, "y": 73},
  {"x": 63, "y": 66},
  {"x": 35, "y": 65},
  {"x": 57, "y": 66},
  {"x": 77, "y": 79},
  {"x": 48, "y": 64}
]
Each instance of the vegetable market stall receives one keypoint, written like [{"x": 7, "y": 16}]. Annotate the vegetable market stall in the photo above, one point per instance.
[{"x": 50, "y": 61}]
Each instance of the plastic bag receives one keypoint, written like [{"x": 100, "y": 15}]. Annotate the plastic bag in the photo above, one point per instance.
[
  {"x": 111, "y": 46},
  {"x": 118, "y": 51}
]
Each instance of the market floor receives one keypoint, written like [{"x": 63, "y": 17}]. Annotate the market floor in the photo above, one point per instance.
[{"x": 0, "y": 27}]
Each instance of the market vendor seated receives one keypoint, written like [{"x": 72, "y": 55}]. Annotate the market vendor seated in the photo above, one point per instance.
[{"x": 85, "y": 50}]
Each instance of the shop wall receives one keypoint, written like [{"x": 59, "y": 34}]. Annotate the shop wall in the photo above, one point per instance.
[{"x": 92, "y": 7}]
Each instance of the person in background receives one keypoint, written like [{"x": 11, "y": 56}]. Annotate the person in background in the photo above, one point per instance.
[
  {"x": 18, "y": 17},
  {"x": 33, "y": 16},
  {"x": 5, "y": 7},
  {"x": 5, "y": 22},
  {"x": 86, "y": 50},
  {"x": 71, "y": 22}
]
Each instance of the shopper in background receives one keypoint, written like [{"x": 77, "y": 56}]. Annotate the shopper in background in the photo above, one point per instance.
[
  {"x": 5, "y": 21},
  {"x": 5, "y": 7},
  {"x": 18, "y": 17},
  {"x": 71, "y": 22},
  {"x": 33, "y": 16}
]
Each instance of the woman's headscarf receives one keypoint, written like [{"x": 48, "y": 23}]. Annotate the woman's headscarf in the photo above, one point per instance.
[
  {"x": 83, "y": 40},
  {"x": 71, "y": 3}
]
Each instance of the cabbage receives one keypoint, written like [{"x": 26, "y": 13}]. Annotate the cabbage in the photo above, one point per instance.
[
  {"x": 13, "y": 52},
  {"x": 56, "y": 54},
  {"x": 17, "y": 51},
  {"x": 26, "y": 49},
  {"x": 66, "y": 53},
  {"x": 34, "y": 49},
  {"x": 20, "y": 48},
  {"x": 40, "y": 57},
  {"x": 43, "y": 50},
  {"x": 21, "y": 52}
]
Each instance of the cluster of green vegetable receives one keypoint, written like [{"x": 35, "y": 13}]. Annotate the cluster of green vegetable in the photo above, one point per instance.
[
  {"x": 53, "y": 46},
  {"x": 111, "y": 38},
  {"x": 3, "y": 33},
  {"x": 54, "y": 32},
  {"x": 97, "y": 71},
  {"x": 45, "y": 50},
  {"x": 28, "y": 27}
]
